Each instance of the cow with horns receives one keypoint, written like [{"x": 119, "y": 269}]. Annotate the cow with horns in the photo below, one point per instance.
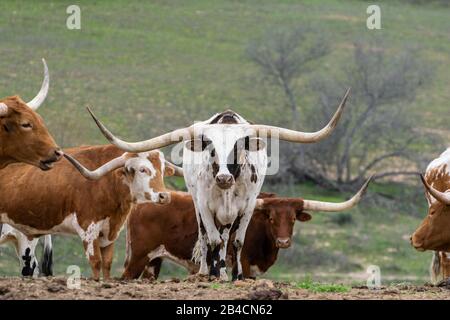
[
  {"x": 432, "y": 234},
  {"x": 170, "y": 232},
  {"x": 225, "y": 162},
  {"x": 63, "y": 201},
  {"x": 25, "y": 138}
]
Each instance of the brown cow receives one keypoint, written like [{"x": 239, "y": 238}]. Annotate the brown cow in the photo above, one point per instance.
[
  {"x": 156, "y": 232},
  {"x": 432, "y": 233},
  {"x": 63, "y": 202},
  {"x": 23, "y": 135}
]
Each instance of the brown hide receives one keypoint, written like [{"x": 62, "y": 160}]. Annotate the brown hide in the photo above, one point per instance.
[
  {"x": 432, "y": 234},
  {"x": 42, "y": 200},
  {"x": 24, "y": 137},
  {"x": 175, "y": 227}
]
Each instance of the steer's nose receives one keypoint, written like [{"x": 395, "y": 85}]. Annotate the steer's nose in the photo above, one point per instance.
[
  {"x": 58, "y": 153},
  {"x": 283, "y": 242},
  {"x": 224, "y": 181},
  {"x": 164, "y": 197}
]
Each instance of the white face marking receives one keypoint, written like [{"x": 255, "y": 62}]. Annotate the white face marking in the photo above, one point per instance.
[{"x": 144, "y": 172}]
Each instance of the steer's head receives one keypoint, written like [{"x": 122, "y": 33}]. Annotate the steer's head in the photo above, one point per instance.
[
  {"x": 143, "y": 173},
  {"x": 224, "y": 145},
  {"x": 281, "y": 215},
  {"x": 432, "y": 233},
  {"x": 23, "y": 135},
  {"x": 226, "y": 142}
]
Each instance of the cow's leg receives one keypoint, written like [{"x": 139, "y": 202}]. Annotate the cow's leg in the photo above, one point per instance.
[
  {"x": 47, "y": 261},
  {"x": 152, "y": 269},
  {"x": 107, "y": 258},
  {"x": 26, "y": 251},
  {"x": 134, "y": 266},
  {"x": 202, "y": 247},
  {"x": 241, "y": 229},
  {"x": 221, "y": 263},
  {"x": 94, "y": 255},
  {"x": 208, "y": 237}
]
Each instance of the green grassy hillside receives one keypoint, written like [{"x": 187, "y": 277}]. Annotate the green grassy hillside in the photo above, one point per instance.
[{"x": 147, "y": 67}]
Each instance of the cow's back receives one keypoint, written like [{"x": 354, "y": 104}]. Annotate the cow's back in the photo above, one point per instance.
[{"x": 42, "y": 200}]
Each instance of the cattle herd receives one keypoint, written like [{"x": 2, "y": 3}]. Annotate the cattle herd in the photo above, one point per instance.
[{"x": 223, "y": 222}]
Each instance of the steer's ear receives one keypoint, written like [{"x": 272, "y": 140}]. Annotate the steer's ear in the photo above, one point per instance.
[
  {"x": 196, "y": 145},
  {"x": 303, "y": 216},
  {"x": 169, "y": 171},
  {"x": 254, "y": 144}
]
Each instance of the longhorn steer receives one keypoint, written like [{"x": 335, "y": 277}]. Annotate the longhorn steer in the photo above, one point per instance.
[
  {"x": 432, "y": 234},
  {"x": 170, "y": 232},
  {"x": 25, "y": 138},
  {"x": 63, "y": 202},
  {"x": 225, "y": 162}
]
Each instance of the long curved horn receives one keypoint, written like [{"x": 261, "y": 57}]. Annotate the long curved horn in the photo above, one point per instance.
[
  {"x": 178, "y": 170},
  {"x": 335, "y": 207},
  {"x": 185, "y": 133},
  {"x": 42, "y": 94},
  {"x": 442, "y": 197},
  {"x": 161, "y": 141},
  {"x": 304, "y": 137},
  {"x": 101, "y": 171}
]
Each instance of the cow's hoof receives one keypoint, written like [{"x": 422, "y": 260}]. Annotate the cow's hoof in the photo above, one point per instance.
[{"x": 223, "y": 275}]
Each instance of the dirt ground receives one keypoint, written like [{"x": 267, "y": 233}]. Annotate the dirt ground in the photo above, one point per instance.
[{"x": 56, "y": 288}]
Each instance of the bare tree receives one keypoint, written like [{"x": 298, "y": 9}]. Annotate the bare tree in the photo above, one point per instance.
[
  {"x": 283, "y": 56},
  {"x": 380, "y": 131}
]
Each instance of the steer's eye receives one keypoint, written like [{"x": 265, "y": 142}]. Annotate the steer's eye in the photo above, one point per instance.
[
  {"x": 432, "y": 212},
  {"x": 142, "y": 170},
  {"x": 26, "y": 125}
]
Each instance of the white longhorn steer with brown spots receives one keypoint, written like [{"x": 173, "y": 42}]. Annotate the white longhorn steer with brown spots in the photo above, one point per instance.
[
  {"x": 224, "y": 164},
  {"x": 62, "y": 201}
]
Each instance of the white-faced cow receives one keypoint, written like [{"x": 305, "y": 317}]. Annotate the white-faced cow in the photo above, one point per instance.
[
  {"x": 170, "y": 232},
  {"x": 62, "y": 201},
  {"x": 225, "y": 162},
  {"x": 433, "y": 233}
]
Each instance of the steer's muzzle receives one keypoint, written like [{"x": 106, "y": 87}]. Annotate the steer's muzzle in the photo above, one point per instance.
[
  {"x": 224, "y": 181},
  {"x": 416, "y": 243},
  {"x": 283, "y": 243},
  {"x": 55, "y": 156}
]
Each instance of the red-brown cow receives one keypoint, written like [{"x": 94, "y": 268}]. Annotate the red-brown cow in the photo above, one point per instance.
[
  {"x": 432, "y": 234},
  {"x": 62, "y": 201},
  {"x": 170, "y": 232},
  {"x": 23, "y": 135}
]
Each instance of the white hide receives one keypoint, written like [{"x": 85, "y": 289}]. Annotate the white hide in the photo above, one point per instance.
[
  {"x": 442, "y": 160},
  {"x": 210, "y": 201}
]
